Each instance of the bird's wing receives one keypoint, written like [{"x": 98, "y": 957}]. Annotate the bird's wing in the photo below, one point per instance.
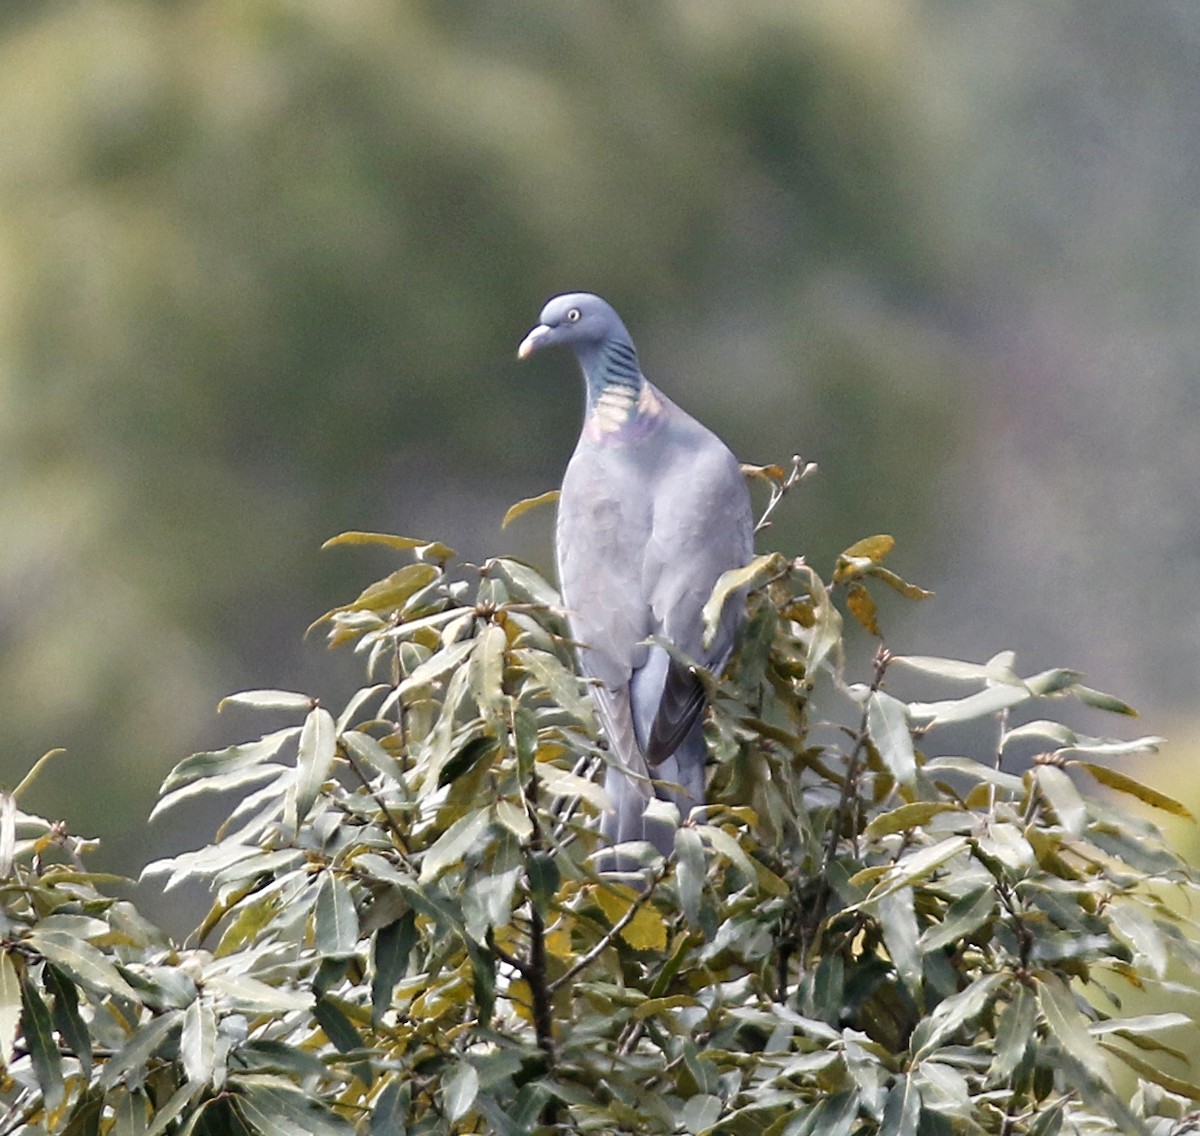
[
  {"x": 701, "y": 526},
  {"x": 603, "y": 516}
]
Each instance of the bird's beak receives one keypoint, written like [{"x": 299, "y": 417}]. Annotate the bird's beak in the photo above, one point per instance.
[{"x": 533, "y": 341}]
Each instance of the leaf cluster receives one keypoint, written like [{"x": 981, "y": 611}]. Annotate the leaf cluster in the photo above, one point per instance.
[{"x": 411, "y": 931}]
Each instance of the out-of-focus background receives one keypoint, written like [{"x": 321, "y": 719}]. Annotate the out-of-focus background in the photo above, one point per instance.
[{"x": 264, "y": 265}]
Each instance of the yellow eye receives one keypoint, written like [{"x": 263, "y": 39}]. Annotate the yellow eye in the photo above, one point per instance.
[{"x": 573, "y": 315}]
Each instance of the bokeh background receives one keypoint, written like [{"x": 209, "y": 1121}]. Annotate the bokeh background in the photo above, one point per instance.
[{"x": 264, "y": 265}]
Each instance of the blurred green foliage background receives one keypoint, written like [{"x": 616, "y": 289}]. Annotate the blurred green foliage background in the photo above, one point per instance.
[{"x": 264, "y": 265}]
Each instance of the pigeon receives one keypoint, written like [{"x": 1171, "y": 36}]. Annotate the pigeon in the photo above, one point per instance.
[{"x": 654, "y": 508}]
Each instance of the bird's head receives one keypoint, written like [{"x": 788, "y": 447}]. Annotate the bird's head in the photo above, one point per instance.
[{"x": 577, "y": 320}]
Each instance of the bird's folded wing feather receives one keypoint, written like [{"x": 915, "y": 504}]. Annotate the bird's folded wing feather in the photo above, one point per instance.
[{"x": 602, "y": 521}]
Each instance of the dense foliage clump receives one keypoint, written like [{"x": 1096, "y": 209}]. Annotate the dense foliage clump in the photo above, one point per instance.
[{"x": 862, "y": 934}]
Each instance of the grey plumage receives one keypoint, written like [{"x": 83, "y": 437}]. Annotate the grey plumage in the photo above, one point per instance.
[{"x": 654, "y": 508}]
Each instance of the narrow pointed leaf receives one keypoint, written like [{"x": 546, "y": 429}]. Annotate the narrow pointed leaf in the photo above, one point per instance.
[
  {"x": 887, "y": 725},
  {"x": 83, "y": 962},
  {"x": 526, "y": 504},
  {"x": 389, "y": 955},
  {"x": 1112, "y": 779},
  {"x": 314, "y": 760},
  {"x": 43, "y": 1051},
  {"x": 335, "y": 920},
  {"x": 198, "y": 1042},
  {"x": 10, "y": 1007},
  {"x": 67, "y": 1020},
  {"x": 734, "y": 580},
  {"x": 267, "y": 700},
  {"x": 1067, "y": 1026},
  {"x": 459, "y": 1090}
]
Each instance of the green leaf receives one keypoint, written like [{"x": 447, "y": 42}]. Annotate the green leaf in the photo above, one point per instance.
[
  {"x": 525, "y": 504},
  {"x": 700, "y": 1113},
  {"x": 198, "y": 1042},
  {"x": 906, "y": 817},
  {"x": 1013, "y": 1034},
  {"x": 174, "y": 1106},
  {"x": 981, "y": 704},
  {"x": 1101, "y": 701},
  {"x": 918, "y": 865},
  {"x": 561, "y": 684},
  {"x": 389, "y": 1110},
  {"x": 251, "y": 996},
  {"x": 887, "y": 725},
  {"x": 66, "y": 1016},
  {"x": 953, "y": 1013},
  {"x": 964, "y": 916},
  {"x": 1131, "y": 926},
  {"x": 453, "y": 844},
  {"x": 314, "y": 760},
  {"x": 459, "y": 1089},
  {"x": 8, "y": 833},
  {"x": 139, "y": 1047},
  {"x": 10, "y": 1008},
  {"x": 337, "y": 1026},
  {"x": 1112, "y": 779},
  {"x": 1064, "y": 798},
  {"x": 690, "y": 870},
  {"x": 389, "y": 955},
  {"x": 277, "y": 1111},
  {"x": 83, "y": 962},
  {"x": 760, "y": 569},
  {"x": 39, "y": 1037},
  {"x": 267, "y": 700},
  {"x": 202, "y": 765},
  {"x": 902, "y": 1109},
  {"x": 953, "y": 669},
  {"x": 1067, "y": 1026},
  {"x": 898, "y": 923},
  {"x": 564, "y": 783},
  {"x": 1157, "y": 1074},
  {"x": 335, "y": 921},
  {"x": 487, "y": 675}
]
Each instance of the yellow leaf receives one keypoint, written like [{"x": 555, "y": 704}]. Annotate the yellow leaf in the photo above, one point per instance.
[
  {"x": 873, "y": 548},
  {"x": 1123, "y": 784},
  {"x": 426, "y": 549},
  {"x": 737, "y": 579},
  {"x": 646, "y": 931},
  {"x": 558, "y": 943},
  {"x": 862, "y": 607},
  {"x": 652, "y": 1006},
  {"x": 523, "y": 506},
  {"x": 521, "y": 998}
]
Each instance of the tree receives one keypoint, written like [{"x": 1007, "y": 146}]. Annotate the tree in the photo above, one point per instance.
[{"x": 859, "y": 936}]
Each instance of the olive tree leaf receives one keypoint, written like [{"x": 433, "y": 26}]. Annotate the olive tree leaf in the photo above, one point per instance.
[
  {"x": 10, "y": 1007},
  {"x": 198, "y": 1042},
  {"x": 43, "y": 1051},
  {"x": 314, "y": 760},
  {"x": 887, "y": 725},
  {"x": 335, "y": 921}
]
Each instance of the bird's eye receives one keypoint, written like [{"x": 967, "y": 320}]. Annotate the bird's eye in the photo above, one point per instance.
[{"x": 573, "y": 315}]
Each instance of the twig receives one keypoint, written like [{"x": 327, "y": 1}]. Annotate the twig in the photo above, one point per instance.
[
  {"x": 799, "y": 471},
  {"x": 882, "y": 658},
  {"x": 393, "y": 824},
  {"x": 610, "y": 935}
]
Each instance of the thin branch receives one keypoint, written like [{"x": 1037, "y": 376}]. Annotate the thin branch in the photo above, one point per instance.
[
  {"x": 779, "y": 488},
  {"x": 614, "y": 931},
  {"x": 393, "y": 824}
]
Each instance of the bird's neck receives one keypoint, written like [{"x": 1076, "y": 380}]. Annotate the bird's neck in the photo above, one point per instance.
[{"x": 616, "y": 389}]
